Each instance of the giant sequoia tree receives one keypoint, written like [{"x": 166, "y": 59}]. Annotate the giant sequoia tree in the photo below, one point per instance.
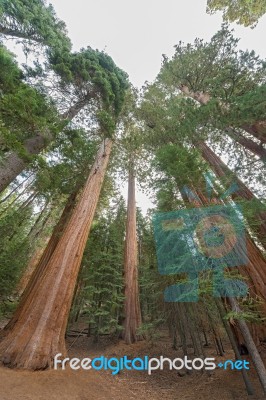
[
  {"x": 47, "y": 315},
  {"x": 225, "y": 80},
  {"x": 132, "y": 305},
  {"x": 212, "y": 92},
  {"x": 39, "y": 331},
  {"x": 93, "y": 79},
  {"x": 201, "y": 96}
]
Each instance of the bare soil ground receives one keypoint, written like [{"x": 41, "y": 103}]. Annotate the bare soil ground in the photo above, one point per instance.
[{"x": 127, "y": 385}]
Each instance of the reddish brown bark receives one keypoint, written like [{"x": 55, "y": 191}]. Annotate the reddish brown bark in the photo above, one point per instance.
[
  {"x": 221, "y": 170},
  {"x": 131, "y": 306},
  {"x": 254, "y": 271},
  {"x": 32, "y": 265},
  {"x": 258, "y": 129},
  {"x": 37, "y": 270},
  {"x": 39, "y": 331},
  {"x": 12, "y": 165},
  {"x": 249, "y": 144}
]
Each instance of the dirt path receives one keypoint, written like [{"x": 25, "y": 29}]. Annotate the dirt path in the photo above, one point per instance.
[{"x": 127, "y": 385}]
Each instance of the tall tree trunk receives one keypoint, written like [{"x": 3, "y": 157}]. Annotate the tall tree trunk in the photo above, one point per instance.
[
  {"x": 254, "y": 270},
  {"x": 233, "y": 342},
  {"x": 39, "y": 332},
  {"x": 36, "y": 271},
  {"x": 132, "y": 306},
  {"x": 27, "y": 190},
  {"x": 256, "y": 358},
  {"x": 21, "y": 184},
  {"x": 221, "y": 170},
  {"x": 25, "y": 278},
  {"x": 249, "y": 144},
  {"x": 36, "y": 235},
  {"x": 13, "y": 164},
  {"x": 257, "y": 129}
]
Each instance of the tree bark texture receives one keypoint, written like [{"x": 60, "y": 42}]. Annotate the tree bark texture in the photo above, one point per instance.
[
  {"x": 243, "y": 192},
  {"x": 257, "y": 129},
  {"x": 13, "y": 164},
  {"x": 254, "y": 271},
  {"x": 131, "y": 306},
  {"x": 38, "y": 333}
]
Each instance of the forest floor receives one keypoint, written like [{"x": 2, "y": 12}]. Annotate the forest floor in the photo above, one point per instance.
[{"x": 99, "y": 385}]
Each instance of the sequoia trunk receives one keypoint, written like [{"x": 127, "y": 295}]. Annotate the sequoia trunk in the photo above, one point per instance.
[
  {"x": 257, "y": 129},
  {"x": 254, "y": 271},
  {"x": 38, "y": 333},
  {"x": 132, "y": 306},
  {"x": 221, "y": 170},
  {"x": 12, "y": 165}
]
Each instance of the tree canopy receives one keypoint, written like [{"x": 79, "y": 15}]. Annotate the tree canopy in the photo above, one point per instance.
[
  {"x": 244, "y": 12},
  {"x": 33, "y": 21}
]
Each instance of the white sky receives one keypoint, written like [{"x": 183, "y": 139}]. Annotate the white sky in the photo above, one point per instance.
[{"x": 136, "y": 34}]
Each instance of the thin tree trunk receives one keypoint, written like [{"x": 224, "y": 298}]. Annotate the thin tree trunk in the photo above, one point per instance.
[
  {"x": 253, "y": 351},
  {"x": 36, "y": 234},
  {"x": 35, "y": 226},
  {"x": 182, "y": 327},
  {"x": 18, "y": 34},
  {"x": 25, "y": 190},
  {"x": 39, "y": 331},
  {"x": 249, "y": 144},
  {"x": 216, "y": 336},
  {"x": 24, "y": 280},
  {"x": 231, "y": 337},
  {"x": 132, "y": 306},
  {"x": 13, "y": 164},
  {"x": 38, "y": 269},
  {"x": 221, "y": 170},
  {"x": 254, "y": 270},
  {"x": 257, "y": 129},
  {"x": 16, "y": 188}
]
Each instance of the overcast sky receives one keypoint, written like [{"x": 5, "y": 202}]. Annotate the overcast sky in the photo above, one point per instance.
[{"x": 136, "y": 33}]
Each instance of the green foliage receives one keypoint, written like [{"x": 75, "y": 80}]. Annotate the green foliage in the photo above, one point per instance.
[
  {"x": 102, "y": 273},
  {"x": 96, "y": 68},
  {"x": 23, "y": 110},
  {"x": 14, "y": 247},
  {"x": 244, "y": 12},
  {"x": 107, "y": 123},
  {"x": 232, "y": 86},
  {"x": 184, "y": 165},
  {"x": 34, "y": 21},
  {"x": 216, "y": 67},
  {"x": 70, "y": 158},
  {"x": 10, "y": 73}
]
